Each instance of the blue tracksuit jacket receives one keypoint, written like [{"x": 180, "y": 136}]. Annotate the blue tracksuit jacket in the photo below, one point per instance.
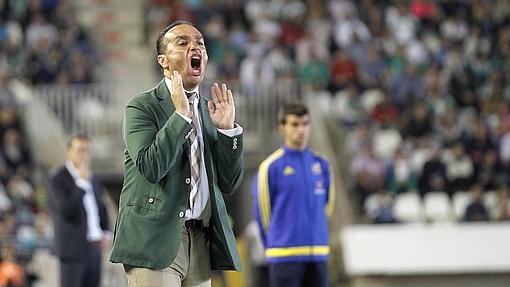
[{"x": 293, "y": 193}]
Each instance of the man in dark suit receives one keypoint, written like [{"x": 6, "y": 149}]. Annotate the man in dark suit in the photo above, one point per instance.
[
  {"x": 183, "y": 152},
  {"x": 79, "y": 215}
]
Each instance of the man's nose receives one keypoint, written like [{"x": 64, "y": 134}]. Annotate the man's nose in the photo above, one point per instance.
[{"x": 194, "y": 46}]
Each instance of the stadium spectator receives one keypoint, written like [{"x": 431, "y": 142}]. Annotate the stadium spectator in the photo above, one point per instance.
[
  {"x": 402, "y": 24},
  {"x": 368, "y": 173},
  {"x": 400, "y": 176},
  {"x": 11, "y": 272},
  {"x": 501, "y": 211},
  {"x": 433, "y": 176},
  {"x": 385, "y": 113},
  {"x": 343, "y": 72},
  {"x": 487, "y": 170},
  {"x": 360, "y": 136},
  {"x": 346, "y": 105},
  {"x": 418, "y": 123},
  {"x": 314, "y": 73},
  {"x": 14, "y": 151},
  {"x": 476, "y": 210},
  {"x": 459, "y": 168},
  {"x": 45, "y": 36},
  {"x": 379, "y": 207}
]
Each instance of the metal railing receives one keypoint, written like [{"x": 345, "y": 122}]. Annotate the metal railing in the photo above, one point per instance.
[
  {"x": 82, "y": 108},
  {"x": 257, "y": 106},
  {"x": 97, "y": 110}
]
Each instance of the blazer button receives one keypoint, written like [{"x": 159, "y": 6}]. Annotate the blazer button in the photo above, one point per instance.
[
  {"x": 188, "y": 181},
  {"x": 235, "y": 140},
  {"x": 151, "y": 200},
  {"x": 181, "y": 214}
]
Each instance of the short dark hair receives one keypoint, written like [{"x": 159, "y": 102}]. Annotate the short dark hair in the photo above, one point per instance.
[
  {"x": 297, "y": 109},
  {"x": 160, "y": 47},
  {"x": 82, "y": 137}
]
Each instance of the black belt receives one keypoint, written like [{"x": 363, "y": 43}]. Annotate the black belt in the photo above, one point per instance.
[{"x": 194, "y": 224}]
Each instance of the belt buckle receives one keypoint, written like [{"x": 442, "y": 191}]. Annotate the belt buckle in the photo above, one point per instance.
[{"x": 194, "y": 223}]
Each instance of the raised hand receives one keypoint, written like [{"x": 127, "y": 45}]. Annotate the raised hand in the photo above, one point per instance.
[
  {"x": 83, "y": 169},
  {"x": 221, "y": 107},
  {"x": 178, "y": 96}
]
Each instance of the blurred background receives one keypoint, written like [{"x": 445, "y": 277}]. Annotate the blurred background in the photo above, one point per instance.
[{"x": 409, "y": 100}]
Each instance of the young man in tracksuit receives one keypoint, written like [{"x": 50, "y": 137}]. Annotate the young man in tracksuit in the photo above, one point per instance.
[{"x": 293, "y": 195}]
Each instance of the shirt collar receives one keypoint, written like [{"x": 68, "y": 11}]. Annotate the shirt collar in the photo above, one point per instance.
[
  {"x": 72, "y": 170},
  {"x": 292, "y": 150},
  {"x": 168, "y": 83}
]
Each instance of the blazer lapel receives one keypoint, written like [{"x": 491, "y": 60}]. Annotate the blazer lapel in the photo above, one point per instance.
[
  {"x": 207, "y": 125},
  {"x": 70, "y": 178},
  {"x": 165, "y": 102},
  {"x": 208, "y": 134}
]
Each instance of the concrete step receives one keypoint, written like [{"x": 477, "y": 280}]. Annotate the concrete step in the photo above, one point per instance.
[{"x": 117, "y": 26}]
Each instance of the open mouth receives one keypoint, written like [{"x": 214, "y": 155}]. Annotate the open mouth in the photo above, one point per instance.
[{"x": 195, "y": 63}]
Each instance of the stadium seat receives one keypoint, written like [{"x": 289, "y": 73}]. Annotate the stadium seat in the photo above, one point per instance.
[
  {"x": 461, "y": 200},
  {"x": 408, "y": 207},
  {"x": 438, "y": 207}
]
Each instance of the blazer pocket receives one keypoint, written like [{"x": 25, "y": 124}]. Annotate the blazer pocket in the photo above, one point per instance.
[{"x": 148, "y": 207}]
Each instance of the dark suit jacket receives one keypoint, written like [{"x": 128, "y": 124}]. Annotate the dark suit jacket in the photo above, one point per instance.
[
  {"x": 156, "y": 187},
  {"x": 69, "y": 215}
]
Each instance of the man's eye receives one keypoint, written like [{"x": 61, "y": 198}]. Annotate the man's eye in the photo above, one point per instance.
[{"x": 181, "y": 43}]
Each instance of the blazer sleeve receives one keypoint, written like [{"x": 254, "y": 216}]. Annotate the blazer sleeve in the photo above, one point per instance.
[
  {"x": 154, "y": 151},
  {"x": 229, "y": 162},
  {"x": 330, "y": 206}
]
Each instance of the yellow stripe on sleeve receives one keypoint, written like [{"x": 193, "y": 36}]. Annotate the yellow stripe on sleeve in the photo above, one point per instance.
[
  {"x": 263, "y": 188},
  {"x": 331, "y": 194}
]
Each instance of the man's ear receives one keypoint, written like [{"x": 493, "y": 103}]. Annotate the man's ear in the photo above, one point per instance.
[
  {"x": 162, "y": 61},
  {"x": 281, "y": 129}
]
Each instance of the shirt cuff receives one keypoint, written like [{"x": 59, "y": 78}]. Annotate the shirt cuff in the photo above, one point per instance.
[
  {"x": 185, "y": 117},
  {"x": 237, "y": 130}
]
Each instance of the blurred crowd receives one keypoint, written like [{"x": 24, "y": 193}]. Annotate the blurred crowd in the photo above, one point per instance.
[
  {"x": 421, "y": 87},
  {"x": 42, "y": 42},
  {"x": 24, "y": 222}
]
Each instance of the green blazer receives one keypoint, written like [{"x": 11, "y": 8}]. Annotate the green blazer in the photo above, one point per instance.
[{"x": 156, "y": 185}]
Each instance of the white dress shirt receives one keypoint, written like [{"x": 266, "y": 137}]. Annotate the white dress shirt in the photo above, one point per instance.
[
  {"x": 202, "y": 207},
  {"x": 94, "y": 231}
]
